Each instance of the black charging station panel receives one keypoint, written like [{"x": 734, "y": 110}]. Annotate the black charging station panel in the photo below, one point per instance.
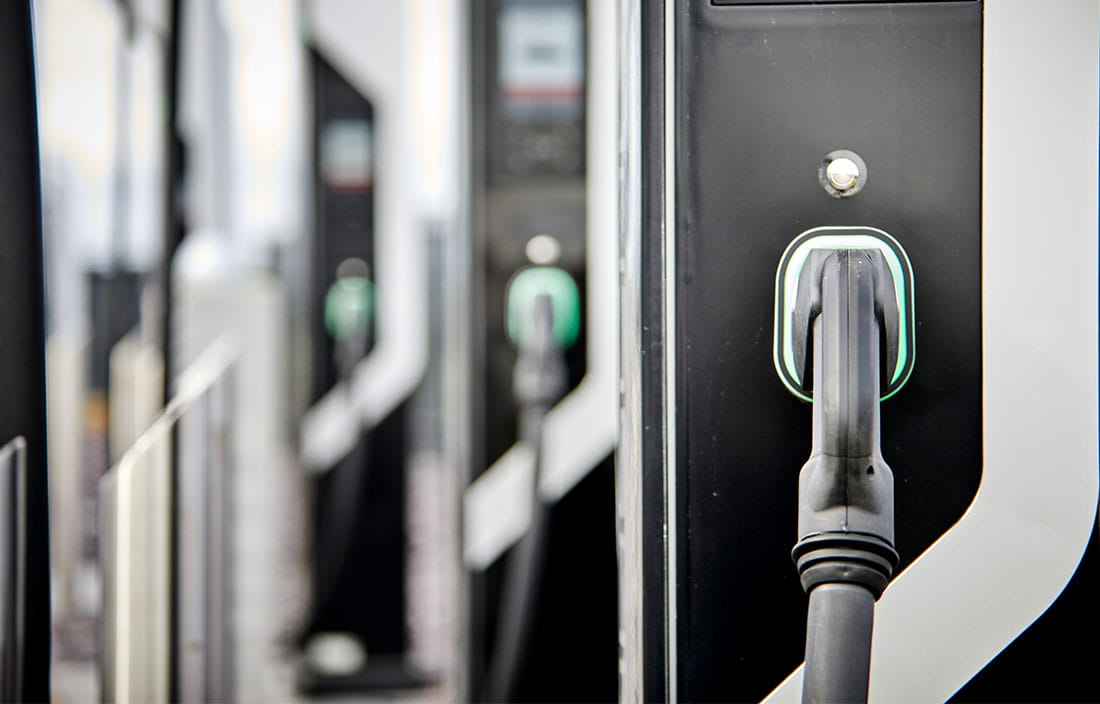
[
  {"x": 359, "y": 539},
  {"x": 763, "y": 93}
]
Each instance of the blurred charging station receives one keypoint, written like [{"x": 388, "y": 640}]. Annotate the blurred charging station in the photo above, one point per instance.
[{"x": 538, "y": 513}]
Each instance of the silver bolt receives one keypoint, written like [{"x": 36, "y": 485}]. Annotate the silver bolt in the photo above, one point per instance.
[{"x": 843, "y": 173}]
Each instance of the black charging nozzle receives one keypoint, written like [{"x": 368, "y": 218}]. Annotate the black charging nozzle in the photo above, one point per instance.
[
  {"x": 849, "y": 326},
  {"x": 539, "y": 375}
]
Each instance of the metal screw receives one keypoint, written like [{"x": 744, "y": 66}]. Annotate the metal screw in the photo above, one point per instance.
[{"x": 842, "y": 173}]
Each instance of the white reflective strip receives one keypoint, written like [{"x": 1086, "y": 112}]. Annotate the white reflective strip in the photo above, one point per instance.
[
  {"x": 495, "y": 509},
  {"x": 577, "y": 438},
  {"x": 330, "y": 430},
  {"x": 580, "y": 431},
  {"x": 1010, "y": 556},
  {"x": 583, "y": 430}
]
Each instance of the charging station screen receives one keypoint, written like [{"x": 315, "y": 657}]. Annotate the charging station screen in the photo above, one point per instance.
[
  {"x": 541, "y": 60},
  {"x": 345, "y": 159}
]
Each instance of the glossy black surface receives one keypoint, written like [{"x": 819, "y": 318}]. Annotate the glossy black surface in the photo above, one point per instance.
[{"x": 22, "y": 316}]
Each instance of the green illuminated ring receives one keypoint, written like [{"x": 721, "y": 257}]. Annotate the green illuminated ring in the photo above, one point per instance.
[
  {"x": 565, "y": 301},
  {"x": 786, "y": 288}
]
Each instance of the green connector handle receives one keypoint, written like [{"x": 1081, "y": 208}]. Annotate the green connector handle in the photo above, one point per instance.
[
  {"x": 565, "y": 302},
  {"x": 349, "y": 309}
]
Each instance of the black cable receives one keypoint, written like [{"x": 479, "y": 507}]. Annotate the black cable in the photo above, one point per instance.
[
  {"x": 838, "y": 644},
  {"x": 338, "y": 507},
  {"x": 521, "y": 581},
  {"x": 538, "y": 382}
]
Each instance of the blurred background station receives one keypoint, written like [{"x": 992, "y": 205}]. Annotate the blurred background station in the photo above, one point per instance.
[
  {"x": 286, "y": 337},
  {"x": 465, "y": 350}
]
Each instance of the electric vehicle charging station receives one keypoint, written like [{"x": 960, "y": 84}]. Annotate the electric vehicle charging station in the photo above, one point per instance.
[
  {"x": 748, "y": 124},
  {"x": 400, "y": 57},
  {"x": 358, "y": 503},
  {"x": 538, "y": 518}
]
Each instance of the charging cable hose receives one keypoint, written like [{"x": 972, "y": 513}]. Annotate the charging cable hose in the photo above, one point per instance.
[{"x": 542, "y": 310}]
